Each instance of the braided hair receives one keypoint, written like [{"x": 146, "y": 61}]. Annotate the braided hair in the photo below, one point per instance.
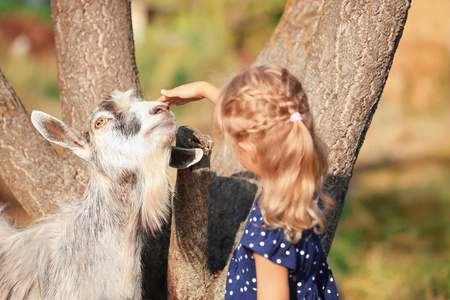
[{"x": 256, "y": 106}]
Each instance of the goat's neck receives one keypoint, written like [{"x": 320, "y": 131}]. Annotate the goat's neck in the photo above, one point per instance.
[
  {"x": 110, "y": 205},
  {"x": 129, "y": 200}
]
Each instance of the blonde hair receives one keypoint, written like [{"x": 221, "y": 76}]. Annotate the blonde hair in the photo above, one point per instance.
[{"x": 256, "y": 106}]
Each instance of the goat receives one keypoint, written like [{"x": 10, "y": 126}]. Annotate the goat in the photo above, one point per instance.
[{"x": 92, "y": 248}]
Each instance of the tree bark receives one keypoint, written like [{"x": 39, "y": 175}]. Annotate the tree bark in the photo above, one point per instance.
[
  {"x": 188, "y": 271},
  {"x": 38, "y": 178},
  {"x": 344, "y": 77},
  {"x": 95, "y": 53}
]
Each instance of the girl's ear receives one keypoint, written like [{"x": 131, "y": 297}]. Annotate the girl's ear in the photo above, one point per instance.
[
  {"x": 249, "y": 149},
  {"x": 60, "y": 133}
]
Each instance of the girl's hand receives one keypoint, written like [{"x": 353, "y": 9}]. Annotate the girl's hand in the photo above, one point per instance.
[{"x": 190, "y": 92}]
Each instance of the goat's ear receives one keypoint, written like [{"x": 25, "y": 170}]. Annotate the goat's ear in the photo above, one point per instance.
[
  {"x": 182, "y": 158},
  {"x": 59, "y": 132}
]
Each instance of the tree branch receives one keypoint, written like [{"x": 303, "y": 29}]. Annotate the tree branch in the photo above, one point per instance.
[
  {"x": 188, "y": 271},
  {"x": 345, "y": 74},
  {"x": 95, "y": 54},
  {"x": 293, "y": 36},
  {"x": 31, "y": 168}
]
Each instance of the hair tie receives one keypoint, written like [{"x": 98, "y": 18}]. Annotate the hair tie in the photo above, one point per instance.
[{"x": 295, "y": 117}]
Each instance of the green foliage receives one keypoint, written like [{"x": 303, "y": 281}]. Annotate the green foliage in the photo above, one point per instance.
[
  {"x": 42, "y": 11},
  {"x": 202, "y": 40},
  {"x": 392, "y": 242}
]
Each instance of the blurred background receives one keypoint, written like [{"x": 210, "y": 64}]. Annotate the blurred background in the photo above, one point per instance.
[{"x": 394, "y": 236}]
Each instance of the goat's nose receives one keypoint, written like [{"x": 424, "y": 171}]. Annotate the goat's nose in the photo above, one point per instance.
[{"x": 159, "y": 109}]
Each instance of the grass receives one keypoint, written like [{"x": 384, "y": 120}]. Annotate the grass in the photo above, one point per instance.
[{"x": 393, "y": 240}]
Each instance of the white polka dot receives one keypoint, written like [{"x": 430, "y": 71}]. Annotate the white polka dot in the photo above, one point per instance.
[
  {"x": 255, "y": 219},
  {"x": 266, "y": 256},
  {"x": 247, "y": 283},
  {"x": 246, "y": 256},
  {"x": 314, "y": 278},
  {"x": 242, "y": 290},
  {"x": 315, "y": 262},
  {"x": 302, "y": 252},
  {"x": 254, "y": 280},
  {"x": 246, "y": 231},
  {"x": 299, "y": 284},
  {"x": 307, "y": 256},
  {"x": 282, "y": 245},
  {"x": 321, "y": 272},
  {"x": 298, "y": 292},
  {"x": 230, "y": 280},
  {"x": 274, "y": 242},
  {"x": 329, "y": 291},
  {"x": 252, "y": 234},
  {"x": 243, "y": 271},
  {"x": 288, "y": 252},
  {"x": 245, "y": 288},
  {"x": 263, "y": 233},
  {"x": 251, "y": 245},
  {"x": 331, "y": 279},
  {"x": 237, "y": 277},
  {"x": 231, "y": 293},
  {"x": 278, "y": 261},
  {"x": 261, "y": 244}
]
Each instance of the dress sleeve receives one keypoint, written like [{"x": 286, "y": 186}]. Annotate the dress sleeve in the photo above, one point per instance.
[{"x": 272, "y": 244}]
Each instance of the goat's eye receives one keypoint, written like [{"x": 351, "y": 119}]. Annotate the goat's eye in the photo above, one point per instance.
[{"x": 100, "y": 122}]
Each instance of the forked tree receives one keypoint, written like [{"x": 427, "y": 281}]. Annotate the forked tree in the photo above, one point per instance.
[{"x": 341, "y": 50}]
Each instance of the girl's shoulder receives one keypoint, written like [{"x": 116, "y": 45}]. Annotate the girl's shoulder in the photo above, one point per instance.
[{"x": 272, "y": 243}]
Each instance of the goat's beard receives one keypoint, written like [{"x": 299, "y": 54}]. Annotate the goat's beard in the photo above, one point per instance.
[{"x": 155, "y": 207}]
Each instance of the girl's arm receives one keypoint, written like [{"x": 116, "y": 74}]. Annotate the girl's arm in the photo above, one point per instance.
[
  {"x": 190, "y": 92},
  {"x": 271, "y": 278}
]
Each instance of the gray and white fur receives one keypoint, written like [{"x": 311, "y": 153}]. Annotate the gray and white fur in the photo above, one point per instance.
[{"x": 92, "y": 248}]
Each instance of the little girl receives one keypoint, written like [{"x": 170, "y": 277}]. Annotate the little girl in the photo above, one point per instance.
[{"x": 264, "y": 114}]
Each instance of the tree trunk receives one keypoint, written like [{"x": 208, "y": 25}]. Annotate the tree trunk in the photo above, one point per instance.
[
  {"x": 95, "y": 53},
  {"x": 344, "y": 77},
  {"x": 341, "y": 50},
  {"x": 36, "y": 175},
  {"x": 188, "y": 271}
]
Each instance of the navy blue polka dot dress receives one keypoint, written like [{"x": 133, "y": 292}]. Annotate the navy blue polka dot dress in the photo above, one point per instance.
[{"x": 310, "y": 276}]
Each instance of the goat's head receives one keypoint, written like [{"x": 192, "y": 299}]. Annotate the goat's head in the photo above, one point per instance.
[{"x": 125, "y": 135}]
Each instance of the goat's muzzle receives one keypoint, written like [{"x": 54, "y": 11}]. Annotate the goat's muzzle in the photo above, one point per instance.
[{"x": 161, "y": 108}]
